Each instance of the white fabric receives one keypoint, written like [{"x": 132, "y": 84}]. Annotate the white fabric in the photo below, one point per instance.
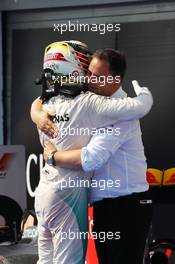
[
  {"x": 118, "y": 160},
  {"x": 59, "y": 207},
  {"x": 88, "y": 112},
  {"x": 62, "y": 217}
]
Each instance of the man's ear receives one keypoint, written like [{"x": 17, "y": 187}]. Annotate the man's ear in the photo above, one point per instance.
[{"x": 117, "y": 80}]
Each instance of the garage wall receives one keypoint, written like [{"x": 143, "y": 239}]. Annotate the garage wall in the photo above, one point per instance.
[
  {"x": 1, "y": 86},
  {"x": 150, "y": 57},
  {"x": 32, "y": 4},
  {"x": 151, "y": 60}
]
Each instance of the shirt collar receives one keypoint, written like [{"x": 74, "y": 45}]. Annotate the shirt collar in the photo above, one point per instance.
[{"x": 120, "y": 93}]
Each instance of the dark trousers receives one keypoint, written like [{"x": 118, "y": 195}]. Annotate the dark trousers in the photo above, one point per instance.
[{"x": 131, "y": 216}]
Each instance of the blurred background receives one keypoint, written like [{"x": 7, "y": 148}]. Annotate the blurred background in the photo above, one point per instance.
[{"x": 147, "y": 36}]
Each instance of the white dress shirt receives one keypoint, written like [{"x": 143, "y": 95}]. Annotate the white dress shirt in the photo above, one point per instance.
[{"x": 117, "y": 159}]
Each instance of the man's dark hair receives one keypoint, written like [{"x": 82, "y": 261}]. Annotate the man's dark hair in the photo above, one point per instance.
[{"x": 116, "y": 60}]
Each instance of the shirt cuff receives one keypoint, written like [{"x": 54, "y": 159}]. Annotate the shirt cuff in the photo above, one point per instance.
[
  {"x": 84, "y": 160},
  {"x": 88, "y": 162}
]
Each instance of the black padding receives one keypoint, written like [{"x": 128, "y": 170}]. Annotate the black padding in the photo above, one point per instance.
[{"x": 12, "y": 213}]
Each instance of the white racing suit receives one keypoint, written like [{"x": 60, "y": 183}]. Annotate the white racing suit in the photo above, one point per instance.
[{"x": 61, "y": 196}]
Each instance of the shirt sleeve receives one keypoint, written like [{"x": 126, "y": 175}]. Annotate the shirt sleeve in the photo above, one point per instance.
[
  {"x": 104, "y": 111},
  {"x": 103, "y": 145}
]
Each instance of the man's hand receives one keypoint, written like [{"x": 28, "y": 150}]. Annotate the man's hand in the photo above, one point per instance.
[
  {"x": 43, "y": 119},
  {"x": 49, "y": 148},
  {"x": 137, "y": 88},
  {"x": 46, "y": 125}
]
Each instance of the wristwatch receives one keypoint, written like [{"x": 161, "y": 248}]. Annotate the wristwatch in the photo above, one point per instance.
[{"x": 50, "y": 158}]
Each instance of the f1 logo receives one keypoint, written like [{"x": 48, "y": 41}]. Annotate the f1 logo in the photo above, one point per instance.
[{"x": 5, "y": 161}]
